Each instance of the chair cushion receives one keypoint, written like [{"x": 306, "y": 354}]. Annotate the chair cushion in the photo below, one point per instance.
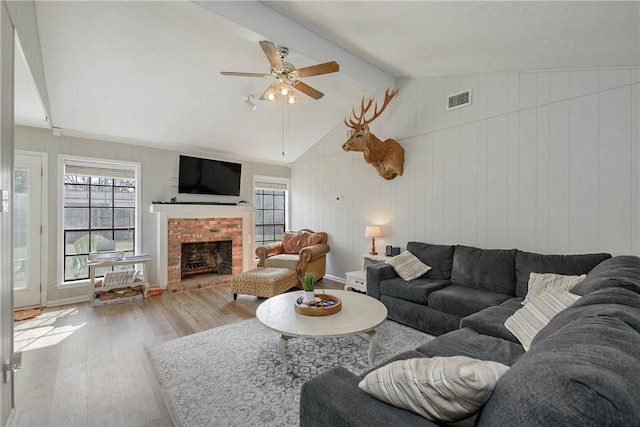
[
  {"x": 294, "y": 241},
  {"x": 489, "y": 269},
  {"x": 570, "y": 265},
  {"x": 490, "y": 321},
  {"x": 283, "y": 261},
  {"x": 438, "y": 257},
  {"x": 417, "y": 290},
  {"x": 463, "y": 301}
]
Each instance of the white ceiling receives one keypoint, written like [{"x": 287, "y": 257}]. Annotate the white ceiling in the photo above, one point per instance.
[{"x": 148, "y": 72}]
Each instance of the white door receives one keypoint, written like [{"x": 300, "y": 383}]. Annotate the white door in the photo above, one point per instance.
[{"x": 27, "y": 227}]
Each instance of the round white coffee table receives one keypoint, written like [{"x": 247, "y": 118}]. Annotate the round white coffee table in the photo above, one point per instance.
[{"x": 359, "y": 313}]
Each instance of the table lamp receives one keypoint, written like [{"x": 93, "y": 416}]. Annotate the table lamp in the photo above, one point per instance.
[{"x": 373, "y": 232}]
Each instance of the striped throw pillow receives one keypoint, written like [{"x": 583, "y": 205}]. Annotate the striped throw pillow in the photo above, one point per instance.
[
  {"x": 530, "y": 319},
  {"x": 408, "y": 266},
  {"x": 539, "y": 282}
]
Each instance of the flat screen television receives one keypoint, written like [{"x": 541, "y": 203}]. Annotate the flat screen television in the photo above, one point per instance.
[{"x": 205, "y": 176}]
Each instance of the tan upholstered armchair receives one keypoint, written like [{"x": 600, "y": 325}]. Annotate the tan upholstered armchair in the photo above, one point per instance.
[{"x": 302, "y": 251}]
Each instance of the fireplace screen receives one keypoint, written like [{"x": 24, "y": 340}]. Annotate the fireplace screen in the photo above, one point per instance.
[{"x": 206, "y": 258}]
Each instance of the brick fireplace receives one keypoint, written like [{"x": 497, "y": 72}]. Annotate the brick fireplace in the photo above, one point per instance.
[{"x": 183, "y": 229}]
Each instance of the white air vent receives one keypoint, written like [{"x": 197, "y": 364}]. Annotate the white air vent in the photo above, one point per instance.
[{"x": 458, "y": 100}]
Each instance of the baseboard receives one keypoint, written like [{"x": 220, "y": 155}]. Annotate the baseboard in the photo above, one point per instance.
[
  {"x": 335, "y": 278},
  {"x": 65, "y": 301}
]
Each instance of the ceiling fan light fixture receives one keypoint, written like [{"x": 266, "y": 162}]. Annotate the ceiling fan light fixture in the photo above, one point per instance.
[
  {"x": 249, "y": 101},
  {"x": 271, "y": 94},
  {"x": 284, "y": 89},
  {"x": 292, "y": 98}
]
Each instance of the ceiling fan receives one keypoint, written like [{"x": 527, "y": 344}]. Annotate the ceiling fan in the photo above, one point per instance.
[{"x": 287, "y": 75}]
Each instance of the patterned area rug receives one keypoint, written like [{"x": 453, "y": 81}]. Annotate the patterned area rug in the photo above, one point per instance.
[{"x": 231, "y": 375}]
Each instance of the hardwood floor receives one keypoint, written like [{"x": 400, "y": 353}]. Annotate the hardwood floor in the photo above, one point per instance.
[{"x": 84, "y": 366}]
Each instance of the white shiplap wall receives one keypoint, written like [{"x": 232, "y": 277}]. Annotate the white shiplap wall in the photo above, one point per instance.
[{"x": 541, "y": 161}]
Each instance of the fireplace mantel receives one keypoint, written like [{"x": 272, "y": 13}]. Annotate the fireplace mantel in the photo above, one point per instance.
[{"x": 169, "y": 211}]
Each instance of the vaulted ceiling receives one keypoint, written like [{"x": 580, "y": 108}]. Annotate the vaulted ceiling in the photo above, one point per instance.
[{"x": 149, "y": 72}]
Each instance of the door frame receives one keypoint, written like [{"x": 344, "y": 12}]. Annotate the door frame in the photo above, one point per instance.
[{"x": 44, "y": 216}]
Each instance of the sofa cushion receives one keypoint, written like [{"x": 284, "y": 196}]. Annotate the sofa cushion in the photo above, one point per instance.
[
  {"x": 529, "y": 262},
  {"x": 490, "y": 321},
  {"x": 417, "y": 290},
  {"x": 489, "y": 269},
  {"x": 617, "y": 272},
  {"x": 536, "y": 314},
  {"x": 438, "y": 257},
  {"x": 467, "y": 342},
  {"x": 408, "y": 266},
  {"x": 294, "y": 241},
  {"x": 438, "y": 388},
  {"x": 463, "y": 301},
  {"x": 539, "y": 282},
  {"x": 585, "y": 373}
]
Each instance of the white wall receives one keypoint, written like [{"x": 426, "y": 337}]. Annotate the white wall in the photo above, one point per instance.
[
  {"x": 541, "y": 161},
  {"x": 158, "y": 167}
]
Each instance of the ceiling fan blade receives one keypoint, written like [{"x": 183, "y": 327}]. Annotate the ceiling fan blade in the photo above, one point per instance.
[
  {"x": 308, "y": 90},
  {"x": 232, "y": 73},
  {"x": 314, "y": 70},
  {"x": 272, "y": 53}
]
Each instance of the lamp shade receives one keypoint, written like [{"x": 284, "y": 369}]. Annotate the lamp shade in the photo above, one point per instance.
[{"x": 372, "y": 231}]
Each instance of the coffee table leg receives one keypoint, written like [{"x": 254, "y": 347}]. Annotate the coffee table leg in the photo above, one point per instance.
[
  {"x": 282, "y": 351},
  {"x": 373, "y": 344}
]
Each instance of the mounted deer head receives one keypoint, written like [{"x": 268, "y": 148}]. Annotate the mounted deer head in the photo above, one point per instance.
[{"x": 387, "y": 157}]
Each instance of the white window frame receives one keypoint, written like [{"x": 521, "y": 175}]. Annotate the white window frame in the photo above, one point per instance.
[
  {"x": 274, "y": 180},
  {"x": 91, "y": 161}
]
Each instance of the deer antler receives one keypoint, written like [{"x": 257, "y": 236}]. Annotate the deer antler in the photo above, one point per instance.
[{"x": 360, "y": 121}]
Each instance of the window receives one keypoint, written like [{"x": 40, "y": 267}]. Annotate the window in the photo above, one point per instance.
[
  {"x": 270, "y": 201},
  {"x": 99, "y": 202}
]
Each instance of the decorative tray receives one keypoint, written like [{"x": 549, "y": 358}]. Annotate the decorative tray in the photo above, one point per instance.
[{"x": 324, "y": 305}]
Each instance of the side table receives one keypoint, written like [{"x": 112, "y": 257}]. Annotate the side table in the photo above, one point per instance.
[{"x": 357, "y": 280}]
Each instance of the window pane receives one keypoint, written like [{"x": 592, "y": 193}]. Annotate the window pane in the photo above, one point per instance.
[
  {"x": 269, "y": 233},
  {"x": 257, "y": 200},
  {"x": 124, "y": 217},
  {"x": 279, "y": 231},
  {"x": 268, "y": 202},
  {"x": 97, "y": 236},
  {"x": 278, "y": 202},
  {"x": 76, "y": 242},
  {"x": 278, "y": 217},
  {"x": 101, "y": 196},
  {"x": 259, "y": 217},
  {"x": 124, "y": 197},
  {"x": 76, "y": 267},
  {"x": 101, "y": 218},
  {"x": 124, "y": 182},
  {"x": 76, "y": 195},
  {"x": 76, "y": 179},
  {"x": 124, "y": 240},
  {"x": 268, "y": 217},
  {"x": 76, "y": 218}
]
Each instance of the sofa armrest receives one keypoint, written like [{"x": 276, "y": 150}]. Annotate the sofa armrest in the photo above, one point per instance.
[
  {"x": 377, "y": 273},
  {"x": 334, "y": 399},
  {"x": 310, "y": 253},
  {"x": 265, "y": 251}
]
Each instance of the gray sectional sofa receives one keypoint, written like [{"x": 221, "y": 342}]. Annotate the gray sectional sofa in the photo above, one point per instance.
[
  {"x": 583, "y": 368},
  {"x": 462, "y": 281}
]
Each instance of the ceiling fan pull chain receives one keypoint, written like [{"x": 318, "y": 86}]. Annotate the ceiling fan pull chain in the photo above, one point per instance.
[{"x": 283, "y": 129}]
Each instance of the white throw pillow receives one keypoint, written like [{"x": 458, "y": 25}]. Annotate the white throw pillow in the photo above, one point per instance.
[
  {"x": 530, "y": 319},
  {"x": 438, "y": 388},
  {"x": 539, "y": 282},
  {"x": 408, "y": 266}
]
